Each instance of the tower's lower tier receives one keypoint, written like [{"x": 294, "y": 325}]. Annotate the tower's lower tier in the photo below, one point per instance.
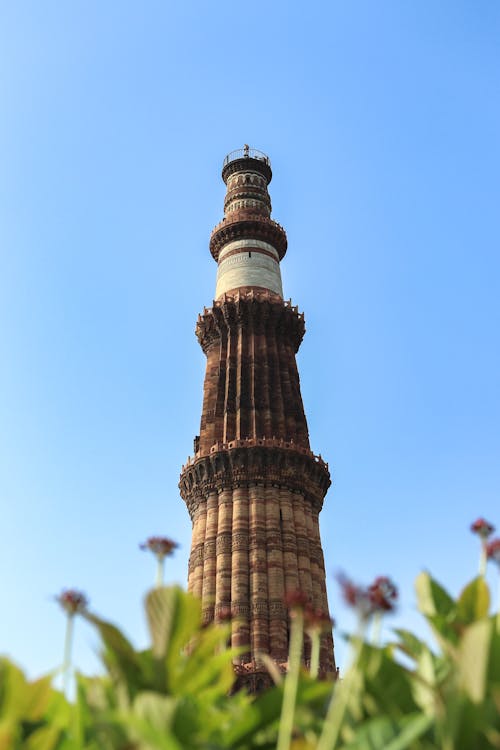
[{"x": 254, "y": 506}]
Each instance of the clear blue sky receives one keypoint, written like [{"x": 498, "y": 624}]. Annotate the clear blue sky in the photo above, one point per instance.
[{"x": 382, "y": 122}]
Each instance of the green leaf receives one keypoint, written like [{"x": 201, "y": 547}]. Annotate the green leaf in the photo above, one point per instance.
[
  {"x": 159, "y": 710},
  {"x": 173, "y": 616},
  {"x": 37, "y": 698},
  {"x": 411, "y": 728},
  {"x": 474, "y": 652},
  {"x": 474, "y": 601},
  {"x": 494, "y": 663},
  {"x": 215, "y": 671},
  {"x": 432, "y": 598},
  {"x": 382, "y": 733},
  {"x": 379, "y": 685},
  {"x": 265, "y": 711},
  {"x": 8, "y": 735},
  {"x": 261, "y": 713},
  {"x": 59, "y": 711},
  {"x": 192, "y": 660},
  {"x": 152, "y": 720},
  {"x": 425, "y": 682},
  {"x": 113, "y": 637},
  {"x": 119, "y": 655},
  {"x": 409, "y": 643},
  {"x": 14, "y": 692},
  {"x": 45, "y": 738},
  {"x": 439, "y": 609}
]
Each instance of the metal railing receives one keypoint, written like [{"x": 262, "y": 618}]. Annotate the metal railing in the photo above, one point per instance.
[{"x": 246, "y": 153}]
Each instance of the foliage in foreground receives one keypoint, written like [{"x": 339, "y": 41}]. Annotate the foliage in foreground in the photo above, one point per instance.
[{"x": 175, "y": 695}]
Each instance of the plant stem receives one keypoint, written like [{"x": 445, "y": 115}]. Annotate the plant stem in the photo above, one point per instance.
[
  {"x": 339, "y": 702},
  {"x": 291, "y": 681},
  {"x": 483, "y": 558},
  {"x": 315, "y": 648},
  {"x": 498, "y": 607},
  {"x": 376, "y": 628},
  {"x": 68, "y": 642},
  {"x": 159, "y": 571}
]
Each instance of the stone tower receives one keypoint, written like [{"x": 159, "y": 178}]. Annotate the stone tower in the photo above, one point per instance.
[{"x": 253, "y": 488}]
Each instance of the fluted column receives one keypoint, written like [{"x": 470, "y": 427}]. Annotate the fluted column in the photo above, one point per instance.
[
  {"x": 258, "y": 571},
  {"x": 231, "y": 385},
  {"x": 242, "y": 380},
  {"x": 303, "y": 554},
  {"x": 212, "y": 379},
  {"x": 279, "y": 427},
  {"x": 316, "y": 573},
  {"x": 240, "y": 574},
  {"x": 266, "y": 380},
  {"x": 220, "y": 404},
  {"x": 293, "y": 388},
  {"x": 210, "y": 562},
  {"x": 253, "y": 403},
  {"x": 278, "y": 631},
  {"x": 323, "y": 602},
  {"x": 290, "y": 406},
  {"x": 196, "y": 563},
  {"x": 224, "y": 552},
  {"x": 292, "y": 582}
]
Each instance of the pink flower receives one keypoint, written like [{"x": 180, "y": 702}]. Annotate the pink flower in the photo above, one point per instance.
[
  {"x": 296, "y": 600},
  {"x": 317, "y": 620},
  {"x": 72, "y": 601},
  {"x": 161, "y": 546},
  {"x": 382, "y": 593},
  {"x": 493, "y": 550},
  {"x": 379, "y": 597},
  {"x": 482, "y": 528},
  {"x": 353, "y": 595}
]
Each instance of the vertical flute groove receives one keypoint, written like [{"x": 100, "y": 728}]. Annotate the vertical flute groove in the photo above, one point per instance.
[{"x": 209, "y": 560}]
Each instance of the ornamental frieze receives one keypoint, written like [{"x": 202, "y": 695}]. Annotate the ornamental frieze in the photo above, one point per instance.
[
  {"x": 255, "y": 227},
  {"x": 258, "y": 316},
  {"x": 299, "y": 472}
]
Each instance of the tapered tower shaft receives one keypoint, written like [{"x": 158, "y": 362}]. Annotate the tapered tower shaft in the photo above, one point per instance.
[{"x": 253, "y": 489}]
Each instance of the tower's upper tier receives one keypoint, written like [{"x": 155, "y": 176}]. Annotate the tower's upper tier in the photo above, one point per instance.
[{"x": 247, "y": 244}]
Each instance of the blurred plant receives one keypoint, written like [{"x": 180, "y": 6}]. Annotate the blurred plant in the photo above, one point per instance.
[
  {"x": 316, "y": 623},
  {"x": 73, "y": 602},
  {"x": 161, "y": 547},
  {"x": 377, "y": 598},
  {"x": 493, "y": 554},
  {"x": 483, "y": 529},
  {"x": 296, "y": 601},
  {"x": 374, "y": 600},
  {"x": 493, "y": 551},
  {"x": 176, "y": 695}
]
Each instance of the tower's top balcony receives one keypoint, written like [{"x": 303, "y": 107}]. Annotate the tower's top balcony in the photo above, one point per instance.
[
  {"x": 246, "y": 153},
  {"x": 247, "y": 158}
]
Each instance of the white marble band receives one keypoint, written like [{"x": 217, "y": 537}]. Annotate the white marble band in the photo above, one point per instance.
[
  {"x": 242, "y": 244},
  {"x": 248, "y": 269}
]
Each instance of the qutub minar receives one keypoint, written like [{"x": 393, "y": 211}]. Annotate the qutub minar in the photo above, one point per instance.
[{"x": 253, "y": 489}]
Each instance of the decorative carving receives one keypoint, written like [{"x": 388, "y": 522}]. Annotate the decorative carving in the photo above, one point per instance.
[
  {"x": 209, "y": 549},
  {"x": 239, "y": 541},
  {"x": 224, "y": 543},
  {"x": 277, "y": 609},
  {"x": 260, "y": 311},
  {"x": 246, "y": 463},
  {"x": 260, "y": 608},
  {"x": 243, "y": 224},
  {"x": 245, "y": 164}
]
